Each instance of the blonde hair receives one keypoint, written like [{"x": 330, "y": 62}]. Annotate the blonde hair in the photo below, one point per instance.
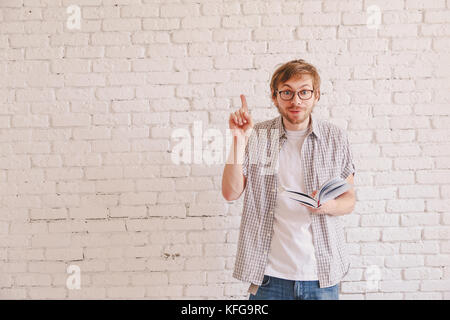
[{"x": 294, "y": 69}]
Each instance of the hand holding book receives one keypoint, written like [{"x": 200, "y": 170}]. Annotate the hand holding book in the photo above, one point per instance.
[
  {"x": 322, "y": 200},
  {"x": 328, "y": 207}
]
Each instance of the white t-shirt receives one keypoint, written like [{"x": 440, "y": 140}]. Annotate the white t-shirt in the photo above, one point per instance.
[{"x": 291, "y": 253}]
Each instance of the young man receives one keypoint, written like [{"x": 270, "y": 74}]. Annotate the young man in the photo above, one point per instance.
[{"x": 287, "y": 250}]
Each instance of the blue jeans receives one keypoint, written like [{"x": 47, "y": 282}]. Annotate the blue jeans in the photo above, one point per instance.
[{"x": 280, "y": 289}]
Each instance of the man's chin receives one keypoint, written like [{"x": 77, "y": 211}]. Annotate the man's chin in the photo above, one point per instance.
[{"x": 298, "y": 120}]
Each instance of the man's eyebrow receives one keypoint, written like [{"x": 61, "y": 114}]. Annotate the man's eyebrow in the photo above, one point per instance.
[{"x": 285, "y": 84}]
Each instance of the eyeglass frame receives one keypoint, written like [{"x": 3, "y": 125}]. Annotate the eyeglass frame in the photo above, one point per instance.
[{"x": 296, "y": 93}]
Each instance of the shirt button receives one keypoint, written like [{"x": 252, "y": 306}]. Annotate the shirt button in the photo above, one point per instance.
[{"x": 273, "y": 190}]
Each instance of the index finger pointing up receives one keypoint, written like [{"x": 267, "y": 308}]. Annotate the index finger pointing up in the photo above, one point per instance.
[{"x": 244, "y": 103}]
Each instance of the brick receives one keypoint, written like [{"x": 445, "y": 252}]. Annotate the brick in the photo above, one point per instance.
[
  {"x": 356, "y": 45},
  {"x": 355, "y": 287},
  {"x": 386, "y": 4},
  {"x": 415, "y": 191},
  {"x": 376, "y": 249},
  {"x": 167, "y": 211},
  {"x": 411, "y": 44},
  {"x": 141, "y": 198},
  {"x": 87, "y": 293},
  {"x": 176, "y": 197},
  {"x": 187, "y": 277},
  {"x": 64, "y": 254},
  {"x": 154, "y": 278},
  {"x": 253, "y": 21},
  {"x": 129, "y": 264},
  {"x": 15, "y": 241},
  {"x": 42, "y": 240},
  {"x": 88, "y": 213},
  {"x": 432, "y": 176},
  {"x": 66, "y": 226},
  {"x": 105, "y": 226},
  {"x": 134, "y": 11},
  {"x": 209, "y": 76},
  {"x": 128, "y": 212},
  {"x": 13, "y": 294},
  {"x": 435, "y": 285},
  {"x": 27, "y": 41},
  {"x": 384, "y": 296},
  {"x": 423, "y": 296},
  {"x": 422, "y": 274},
  {"x": 376, "y": 193},
  {"x": 402, "y": 286},
  {"x": 224, "y": 249},
  {"x": 436, "y": 232},
  {"x": 437, "y": 260},
  {"x": 179, "y": 10},
  {"x": 347, "y": 5},
  {"x": 231, "y": 35},
  {"x": 164, "y": 291},
  {"x": 71, "y": 120},
  {"x": 184, "y": 224},
  {"x": 85, "y": 52},
  {"x": 439, "y": 16},
  {"x": 436, "y": 30},
  {"x": 207, "y": 209},
  {"x": 363, "y": 234},
  {"x": 165, "y": 237},
  {"x": 401, "y": 234},
  {"x": 121, "y": 24},
  {"x": 185, "y": 36},
  {"x": 418, "y": 219},
  {"x": 47, "y": 293},
  {"x": 273, "y": 33},
  {"x": 321, "y": 19},
  {"x": 382, "y": 220},
  {"x": 159, "y": 184},
  {"x": 205, "y": 264},
  {"x": 421, "y": 4},
  {"x": 204, "y": 291},
  {"x": 125, "y": 292},
  {"x": 46, "y": 27},
  {"x": 161, "y": 24}
]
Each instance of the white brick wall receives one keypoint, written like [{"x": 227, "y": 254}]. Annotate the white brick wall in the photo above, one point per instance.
[{"x": 86, "y": 116}]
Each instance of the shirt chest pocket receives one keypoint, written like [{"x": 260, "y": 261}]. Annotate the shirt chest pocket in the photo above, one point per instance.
[{"x": 327, "y": 165}]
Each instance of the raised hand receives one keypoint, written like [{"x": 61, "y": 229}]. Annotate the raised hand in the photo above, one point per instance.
[{"x": 241, "y": 121}]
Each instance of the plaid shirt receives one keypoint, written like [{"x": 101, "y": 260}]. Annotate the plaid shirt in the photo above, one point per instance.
[{"x": 325, "y": 154}]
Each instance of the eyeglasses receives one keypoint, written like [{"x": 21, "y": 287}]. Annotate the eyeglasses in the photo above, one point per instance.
[{"x": 287, "y": 95}]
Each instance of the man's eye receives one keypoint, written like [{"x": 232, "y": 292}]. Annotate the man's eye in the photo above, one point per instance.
[
  {"x": 304, "y": 92},
  {"x": 286, "y": 92}
]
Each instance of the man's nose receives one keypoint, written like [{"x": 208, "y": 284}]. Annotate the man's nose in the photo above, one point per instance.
[{"x": 296, "y": 99}]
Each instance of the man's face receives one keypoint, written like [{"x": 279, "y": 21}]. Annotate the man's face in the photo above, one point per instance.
[{"x": 296, "y": 111}]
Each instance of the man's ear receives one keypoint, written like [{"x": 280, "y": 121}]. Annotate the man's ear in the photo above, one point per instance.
[
  {"x": 274, "y": 100},
  {"x": 318, "y": 95}
]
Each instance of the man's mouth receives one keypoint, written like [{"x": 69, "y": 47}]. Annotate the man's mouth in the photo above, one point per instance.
[{"x": 295, "y": 110}]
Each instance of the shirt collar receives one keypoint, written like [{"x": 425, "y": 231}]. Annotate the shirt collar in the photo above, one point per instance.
[{"x": 313, "y": 126}]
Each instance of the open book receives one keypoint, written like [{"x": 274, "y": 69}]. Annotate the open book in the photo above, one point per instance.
[{"x": 331, "y": 189}]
